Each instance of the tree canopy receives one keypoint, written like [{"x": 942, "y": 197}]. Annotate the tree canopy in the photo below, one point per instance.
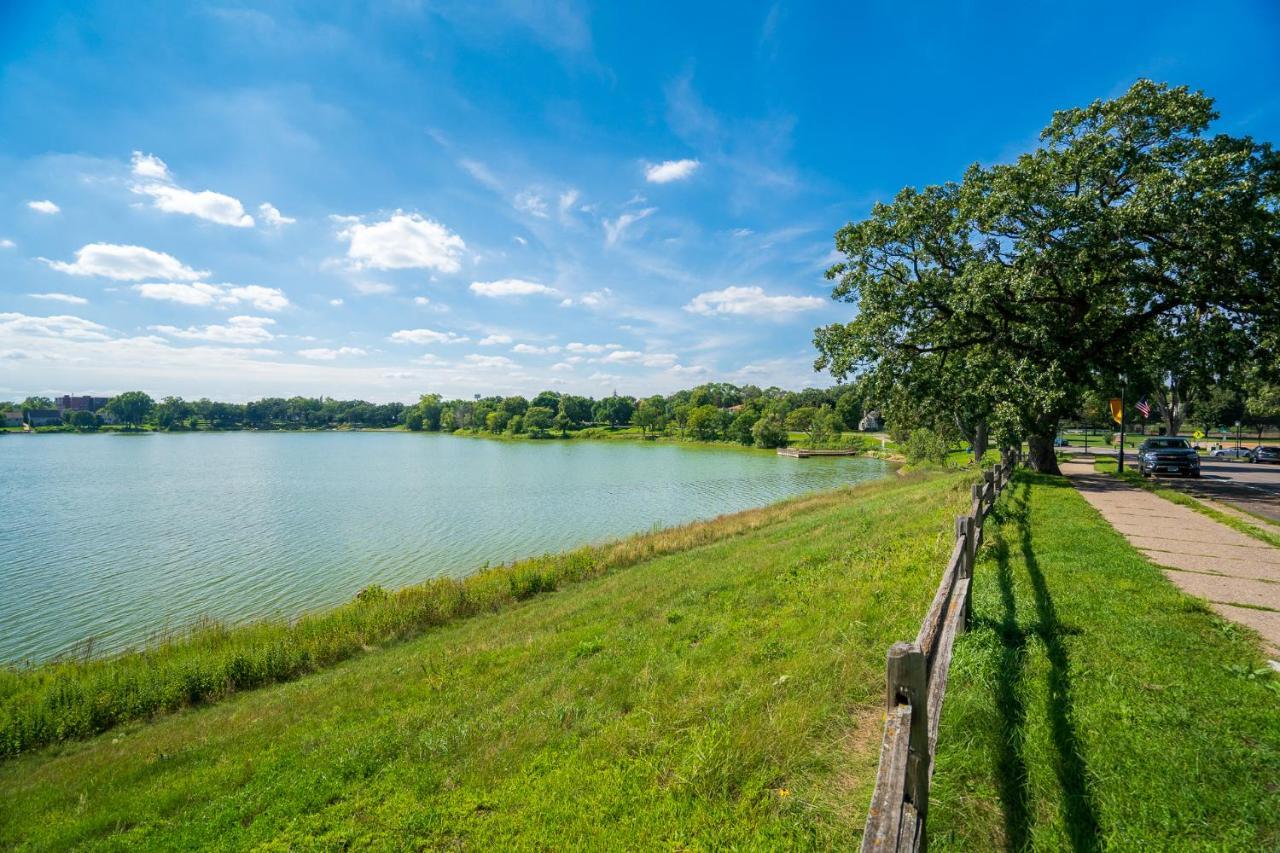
[{"x": 1002, "y": 297}]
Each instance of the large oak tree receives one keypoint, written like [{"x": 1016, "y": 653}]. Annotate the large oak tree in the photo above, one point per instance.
[{"x": 1002, "y": 297}]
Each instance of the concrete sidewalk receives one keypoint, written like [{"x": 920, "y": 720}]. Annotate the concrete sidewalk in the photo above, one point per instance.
[{"x": 1200, "y": 555}]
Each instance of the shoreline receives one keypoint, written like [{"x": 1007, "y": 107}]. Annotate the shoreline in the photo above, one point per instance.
[
  {"x": 209, "y": 660},
  {"x": 857, "y": 442}
]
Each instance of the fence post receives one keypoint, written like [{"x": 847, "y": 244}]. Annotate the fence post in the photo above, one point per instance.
[
  {"x": 966, "y": 562},
  {"x": 908, "y": 682},
  {"x": 989, "y": 479}
]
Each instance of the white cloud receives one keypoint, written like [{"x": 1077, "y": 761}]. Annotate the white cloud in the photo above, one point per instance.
[
  {"x": 493, "y": 340},
  {"x": 237, "y": 330},
  {"x": 562, "y": 366},
  {"x": 692, "y": 370},
  {"x": 650, "y": 359},
  {"x": 510, "y": 287},
  {"x": 57, "y": 326},
  {"x": 405, "y": 241},
  {"x": 430, "y": 359},
  {"x": 530, "y": 349},
  {"x": 273, "y": 216},
  {"x": 613, "y": 231},
  {"x": 426, "y": 336},
  {"x": 750, "y": 301},
  {"x": 373, "y": 288},
  {"x": 126, "y": 263},
  {"x": 568, "y": 199},
  {"x": 7, "y": 244},
  {"x": 60, "y": 297},
  {"x": 531, "y": 203},
  {"x": 481, "y": 173},
  {"x": 204, "y": 294},
  {"x": 590, "y": 299},
  {"x": 262, "y": 298},
  {"x": 421, "y": 300},
  {"x": 46, "y": 207},
  {"x": 522, "y": 241},
  {"x": 149, "y": 166},
  {"x": 489, "y": 361},
  {"x": 603, "y": 378},
  {"x": 335, "y": 302},
  {"x": 206, "y": 204},
  {"x": 171, "y": 198},
  {"x": 322, "y": 354},
  {"x": 577, "y": 346},
  {"x": 670, "y": 170}
]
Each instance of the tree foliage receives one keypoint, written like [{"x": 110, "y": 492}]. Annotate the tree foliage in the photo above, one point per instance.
[{"x": 1001, "y": 297}]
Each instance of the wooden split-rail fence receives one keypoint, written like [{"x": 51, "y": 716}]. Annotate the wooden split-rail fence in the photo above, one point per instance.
[{"x": 917, "y": 682}]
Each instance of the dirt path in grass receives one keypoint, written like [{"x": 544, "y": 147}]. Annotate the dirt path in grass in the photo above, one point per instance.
[{"x": 1239, "y": 575}]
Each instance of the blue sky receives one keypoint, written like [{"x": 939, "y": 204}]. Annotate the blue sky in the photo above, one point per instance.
[{"x": 234, "y": 200}]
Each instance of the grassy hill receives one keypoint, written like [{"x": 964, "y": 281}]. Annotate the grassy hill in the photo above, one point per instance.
[{"x": 723, "y": 691}]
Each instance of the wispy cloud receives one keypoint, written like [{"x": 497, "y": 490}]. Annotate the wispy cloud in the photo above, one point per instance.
[
  {"x": 511, "y": 287},
  {"x": 750, "y": 301},
  {"x": 614, "y": 231},
  {"x": 60, "y": 297}
]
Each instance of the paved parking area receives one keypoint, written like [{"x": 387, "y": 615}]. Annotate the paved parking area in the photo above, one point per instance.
[{"x": 1237, "y": 574}]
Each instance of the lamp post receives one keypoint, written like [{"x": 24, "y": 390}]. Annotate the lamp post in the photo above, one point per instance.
[{"x": 1237, "y": 439}]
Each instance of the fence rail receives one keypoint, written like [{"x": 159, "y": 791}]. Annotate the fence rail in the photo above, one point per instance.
[{"x": 916, "y": 683}]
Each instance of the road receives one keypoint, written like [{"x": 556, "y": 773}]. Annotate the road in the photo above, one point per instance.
[{"x": 1253, "y": 488}]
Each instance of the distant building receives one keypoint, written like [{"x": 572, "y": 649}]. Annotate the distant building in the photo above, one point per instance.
[
  {"x": 13, "y": 418},
  {"x": 44, "y": 417},
  {"x": 67, "y": 403},
  {"x": 871, "y": 421}
]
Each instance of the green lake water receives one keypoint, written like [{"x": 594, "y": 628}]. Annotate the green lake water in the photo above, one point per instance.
[{"x": 117, "y": 538}]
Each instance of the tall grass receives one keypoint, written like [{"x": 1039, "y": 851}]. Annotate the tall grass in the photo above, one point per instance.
[{"x": 78, "y": 698}]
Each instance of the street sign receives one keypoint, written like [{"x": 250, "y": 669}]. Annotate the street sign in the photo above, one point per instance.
[{"x": 1197, "y": 435}]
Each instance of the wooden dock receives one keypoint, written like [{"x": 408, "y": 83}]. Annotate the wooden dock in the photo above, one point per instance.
[{"x": 801, "y": 453}]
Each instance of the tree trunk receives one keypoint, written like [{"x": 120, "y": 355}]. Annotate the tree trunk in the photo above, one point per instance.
[
  {"x": 1041, "y": 456},
  {"x": 980, "y": 441}
]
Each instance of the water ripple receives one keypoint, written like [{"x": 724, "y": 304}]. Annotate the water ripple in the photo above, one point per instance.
[{"x": 116, "y": 539}]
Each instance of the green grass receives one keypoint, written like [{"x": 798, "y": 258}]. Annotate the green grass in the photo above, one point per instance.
[
  {"x": 721, "y": 686},
  {"x": 1095, "y": 706},
  {"x": 77, "y": 698},
  {"x": 1130, "y": 475},
  {"x": 725, "y": 694}
]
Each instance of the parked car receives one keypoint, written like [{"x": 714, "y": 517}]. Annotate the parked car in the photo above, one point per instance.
[
  {"x": 1265, "y": 453},
  {"x": 1061, "y": 442},
  {"x": 1168, "y": 456},
  {"x": 1230, "y": 453}
]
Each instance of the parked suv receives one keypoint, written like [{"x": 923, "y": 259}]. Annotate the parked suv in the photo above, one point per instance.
[
  {"x": 1168, "y": 456},
  {"x": 1265, "y": 453}
]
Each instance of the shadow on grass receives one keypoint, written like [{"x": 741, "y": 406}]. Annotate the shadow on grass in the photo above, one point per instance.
[{"x": 1079, "y": 813}]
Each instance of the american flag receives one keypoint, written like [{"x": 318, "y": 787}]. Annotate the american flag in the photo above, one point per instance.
[{"x": 1144, "y": 407}]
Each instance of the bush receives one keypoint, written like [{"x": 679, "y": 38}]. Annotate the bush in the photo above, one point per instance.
[
  {"x": 925, "y": 446},
  {"x": 770, "y": 432}
]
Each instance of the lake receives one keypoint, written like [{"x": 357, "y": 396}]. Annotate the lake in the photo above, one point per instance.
[{"x": 116, "y": 537}]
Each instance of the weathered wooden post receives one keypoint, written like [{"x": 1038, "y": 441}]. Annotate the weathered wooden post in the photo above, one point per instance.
[
  {"x": 908, "y": 682},
  {"x": 964, "y": 532},
  {"x": 989, "y": 486}
]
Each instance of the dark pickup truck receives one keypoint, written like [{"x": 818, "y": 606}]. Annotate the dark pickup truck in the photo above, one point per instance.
[{"x": 1168, "y": 456}]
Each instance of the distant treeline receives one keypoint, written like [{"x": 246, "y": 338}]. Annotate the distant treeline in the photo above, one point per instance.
[{"x": 715, "y": 411}]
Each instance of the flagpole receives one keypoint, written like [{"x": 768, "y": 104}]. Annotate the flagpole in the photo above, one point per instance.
[{"x": 1124, "y": 388}]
